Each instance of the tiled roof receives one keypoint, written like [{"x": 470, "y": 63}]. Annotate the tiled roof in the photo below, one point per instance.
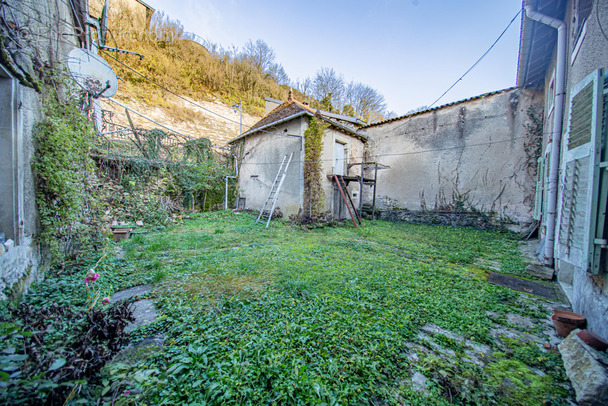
[
  {"x": 288, "y": 108},
  {"x": 481, "y": 96},
  {"x": 293, "y": 108}
]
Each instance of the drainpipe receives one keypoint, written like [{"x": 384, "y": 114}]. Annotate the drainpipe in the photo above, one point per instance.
[
  {"x": 560, "y": 95},
  {"x": 226, "y": 191}
]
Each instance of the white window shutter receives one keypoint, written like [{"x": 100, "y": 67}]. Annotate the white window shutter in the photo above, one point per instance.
[
  {"x": 598, "y": 255},
  {"x": 578, "y": 169}
]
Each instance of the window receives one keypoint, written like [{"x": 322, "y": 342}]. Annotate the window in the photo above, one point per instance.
[{"x": 580, "y": 14}]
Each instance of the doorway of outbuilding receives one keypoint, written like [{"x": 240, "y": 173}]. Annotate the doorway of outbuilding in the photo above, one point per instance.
[{"x": 339, "y": 168}]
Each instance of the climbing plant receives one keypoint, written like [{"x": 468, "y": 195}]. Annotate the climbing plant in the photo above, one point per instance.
[
  {"x": 66, "y": 184},
  {"x": 313, "y": 186},
  {"x": 534, "y": 142}
]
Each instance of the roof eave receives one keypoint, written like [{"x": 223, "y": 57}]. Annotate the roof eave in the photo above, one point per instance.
[
  {"x": 481, "y": 96},
  {"x": 274, "y": 123},
  {"x": 345, "y": 129}
]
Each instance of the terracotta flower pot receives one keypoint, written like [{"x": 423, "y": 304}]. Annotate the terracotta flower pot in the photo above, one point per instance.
[
  {"x": 593, "y": 340},
  {"x": 565, "y": 322}
]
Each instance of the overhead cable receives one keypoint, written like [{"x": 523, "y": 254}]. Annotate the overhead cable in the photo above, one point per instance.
[{"x": 479, "y": 60}]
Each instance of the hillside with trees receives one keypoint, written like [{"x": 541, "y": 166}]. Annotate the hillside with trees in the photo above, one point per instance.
[{"x": 203, "y": 71}]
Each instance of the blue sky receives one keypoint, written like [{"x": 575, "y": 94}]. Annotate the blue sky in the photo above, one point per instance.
[{"x": 409, "y": 50}]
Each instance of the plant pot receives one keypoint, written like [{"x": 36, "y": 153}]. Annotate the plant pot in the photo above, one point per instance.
[
  {"x": 565, "y": 322},
  {"x": 593, "y": 340}
]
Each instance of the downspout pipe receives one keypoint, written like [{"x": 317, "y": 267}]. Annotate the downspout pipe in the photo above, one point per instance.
[{"x": 558, "y": 112}]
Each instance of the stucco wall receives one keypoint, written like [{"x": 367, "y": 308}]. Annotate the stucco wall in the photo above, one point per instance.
[
  {"x": 45, "y": 33},
  {"x": 471, "y": 154},
  {"x": 262, "y": 154}
]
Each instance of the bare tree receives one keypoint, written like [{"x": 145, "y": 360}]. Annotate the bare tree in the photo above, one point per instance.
[
  {"x": 366, "y": 102},
  {"x": 260, "y": 54},
  {"x": 278, "y": 73},
  {"x": 168, "y": 30},
  {"x": 304, "y": 86},
  {"x": 328, "y": 87}
]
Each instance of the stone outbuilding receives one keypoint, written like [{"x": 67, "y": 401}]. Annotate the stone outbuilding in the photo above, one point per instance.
[{"x": 261, "y": 150}]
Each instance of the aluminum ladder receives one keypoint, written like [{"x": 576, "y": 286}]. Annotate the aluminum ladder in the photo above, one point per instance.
[{"x": 275, "y": 189}]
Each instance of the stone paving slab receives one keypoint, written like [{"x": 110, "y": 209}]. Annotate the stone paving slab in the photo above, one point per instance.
[
  {"x": 522, "y": 285},
  {"x": 129, "y": 293},
  {"x": 144, "y": 310}
]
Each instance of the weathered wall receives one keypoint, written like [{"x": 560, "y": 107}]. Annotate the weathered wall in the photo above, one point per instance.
[
  {"x": 262, "y": 154},
  {"x": 474, "y": 154},
  {"x": 37, "y": 35},
  {"x": 588, "y": 293}
]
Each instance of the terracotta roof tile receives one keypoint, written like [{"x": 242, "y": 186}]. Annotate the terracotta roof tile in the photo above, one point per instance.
[{"x": 290, "y": 108}]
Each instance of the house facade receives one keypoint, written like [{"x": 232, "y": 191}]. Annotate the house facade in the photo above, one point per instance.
[
  {"x": 37, "y": 36},
  {"x": 564, "y": 53},
  {"x": 261, "y": 150}
]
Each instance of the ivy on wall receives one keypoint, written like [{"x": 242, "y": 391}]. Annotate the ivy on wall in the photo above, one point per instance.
[
  {"x": 313, "y": 186},
  {"x": 66, "y": 184}
]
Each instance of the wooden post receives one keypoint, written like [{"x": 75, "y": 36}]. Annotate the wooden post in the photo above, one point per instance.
[
  {"x": 361, "y": 190},
  {"x": 374, "y": 198}
]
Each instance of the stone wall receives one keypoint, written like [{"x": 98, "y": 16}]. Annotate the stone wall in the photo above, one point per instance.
[
  {"x": 37, "y": 35},
  {"x": 476, "y": 154},
  {"x": 443, "y": 218}
]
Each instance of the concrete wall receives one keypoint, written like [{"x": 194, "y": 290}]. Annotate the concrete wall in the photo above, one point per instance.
[
  {"x": 588, "y": 293},
  {"x": 262, "y": 154},
  {"x": 468, "y": 155},
  {"x": 45, "y": 33}
]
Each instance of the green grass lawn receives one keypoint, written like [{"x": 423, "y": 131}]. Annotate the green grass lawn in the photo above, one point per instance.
[{"x": 328, "y": 316}]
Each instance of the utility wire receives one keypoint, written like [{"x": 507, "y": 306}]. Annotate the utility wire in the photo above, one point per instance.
[
  {"x": 479, "y": 60},
  {"x": 172, "y": 92},
  {"x": 398, "y": 153},
  {"x": 194, "y": 103}
]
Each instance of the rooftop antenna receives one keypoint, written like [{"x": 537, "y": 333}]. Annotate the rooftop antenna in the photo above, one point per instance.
[{"x": 101, "y": 26}]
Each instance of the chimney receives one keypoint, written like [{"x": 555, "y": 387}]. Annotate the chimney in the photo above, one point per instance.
[{"x": 290, "y": 98}]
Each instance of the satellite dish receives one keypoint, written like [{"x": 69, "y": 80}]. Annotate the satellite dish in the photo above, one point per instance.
[{"x": 92, "y": 73}]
